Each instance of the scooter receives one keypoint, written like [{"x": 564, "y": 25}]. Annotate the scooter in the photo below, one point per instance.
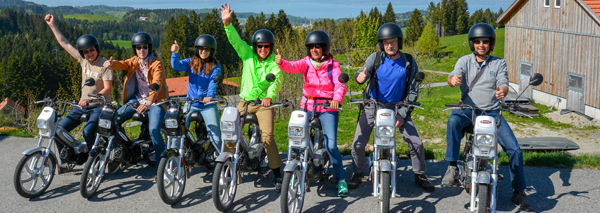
[
  {"x": 476, "y": 174},
  {"x": 383, "y": 166},
  {"x": 249, "y": 151},
  {"x": 309, "y": 159},
  {"x": 182, "y": 150}
]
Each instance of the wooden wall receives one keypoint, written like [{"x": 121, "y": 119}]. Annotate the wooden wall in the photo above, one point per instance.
[{"x": 555, "y": 41}]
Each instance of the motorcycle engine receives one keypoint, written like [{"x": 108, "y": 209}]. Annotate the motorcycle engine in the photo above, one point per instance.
[{"x": 67, "y": 155}]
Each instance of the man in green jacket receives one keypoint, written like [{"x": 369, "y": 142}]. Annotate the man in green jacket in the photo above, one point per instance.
[{"x": 258, "y": 61}]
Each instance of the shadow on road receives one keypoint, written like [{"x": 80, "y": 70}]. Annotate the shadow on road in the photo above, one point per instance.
[
  {"x": 198, "y": 195},
  {"x": 57, "y": 192},
  {"x": 143, "y": 181},
  {"x": 254, "y": 201}
]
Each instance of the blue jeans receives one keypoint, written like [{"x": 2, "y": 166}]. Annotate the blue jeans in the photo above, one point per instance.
[
  {"x": 506, "y": 138},
  {"x": 329, "y": 122},
  {"x": 210, "y": 115},
  {"x": 156, "y": 116},
  {"x": 71, "y": 121}
]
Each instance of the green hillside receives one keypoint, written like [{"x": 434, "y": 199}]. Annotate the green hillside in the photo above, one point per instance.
[{"x": 91, "y": 17}]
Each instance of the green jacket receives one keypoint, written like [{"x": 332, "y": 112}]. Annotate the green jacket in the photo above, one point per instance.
[{"x": 254, "y": 72}]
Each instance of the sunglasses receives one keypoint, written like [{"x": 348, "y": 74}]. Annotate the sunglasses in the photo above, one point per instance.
[
  {"x": 85, "y": 52},
  {"x": 139, "y": 47},
  {"x": 203, "y": 48},
  {"x": 318, "y": 46},
  {"x": 481, "y": 41},
  {"x": 263, "y": 46}
]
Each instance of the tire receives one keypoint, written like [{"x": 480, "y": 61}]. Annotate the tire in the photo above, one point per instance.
[
  {"x": 170, "y": 189},
  {"x": 483, "y": 195},
  {"x": 384, "y": 194},
  {"x": 90, "y": 181},
  {"x": 27, "y": 167},
  {"x": 291, "y": 200},
  {"x": 223, "y": 185}
]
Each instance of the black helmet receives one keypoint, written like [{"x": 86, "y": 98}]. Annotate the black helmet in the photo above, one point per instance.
[
  {"x": 263, "y": 36},
  {"x": 482, "y": 30},
  {"x": 87, "y": 41},
  {"x": 141, "y": 38},
  {"x": 387, "y": 31},
  {"x": 318, "y": 37},
  {"x": 205, "y": 40}
]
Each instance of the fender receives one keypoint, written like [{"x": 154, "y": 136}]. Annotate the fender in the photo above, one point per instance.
[
  {"x": 168, "y": 151},
  {"x": 291, "y": 165},
  {"x": 483, "y": 177},
  {"x": 385, "y": 165},
  {"x": 31, "y": 150},
  {"x": 97, "y": 150},
  {"x": 223, "y": 157}
]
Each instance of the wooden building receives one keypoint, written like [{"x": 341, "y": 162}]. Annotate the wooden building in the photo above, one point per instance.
[{"x": 561, "y": 40}]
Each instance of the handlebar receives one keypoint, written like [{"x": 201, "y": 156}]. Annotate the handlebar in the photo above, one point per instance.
[
  {"x": 283, "y": 103},
  {"x": 400, "y": 103}
]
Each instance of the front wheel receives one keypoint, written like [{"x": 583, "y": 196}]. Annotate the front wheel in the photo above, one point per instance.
[
  {"x": 90, "y": 178},
  {"x": 29, "y": 181},
  {"x": 483, "y": 197},
  {"x": 170, "y": 188},
  {"x": 292, "y": 197},
  {"x": 384, "y": 194},
  {"x": 224, "y": 185}
]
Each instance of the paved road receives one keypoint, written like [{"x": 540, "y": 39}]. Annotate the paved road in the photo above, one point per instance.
[{"x": 133, "y": 190}]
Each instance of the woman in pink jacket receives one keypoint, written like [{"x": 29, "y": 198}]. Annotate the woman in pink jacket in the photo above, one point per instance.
[{"x": 321, "y": 83}]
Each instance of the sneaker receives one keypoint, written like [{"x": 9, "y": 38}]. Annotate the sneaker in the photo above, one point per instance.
[
  {"x": 423, "y": 181},
  {"x": 342, "y": 189},
  {"x": 451, "y": 177},
  {"x": 113, "y": 166},
  {"x": 277, "y": 183},
  {"x": 64, "y": 168},
  {"x": 355, "y": 181},
  {"x": 520, "y": 198}
]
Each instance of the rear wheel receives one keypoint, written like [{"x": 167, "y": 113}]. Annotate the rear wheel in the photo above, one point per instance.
[
  {"x": 291, "y": 194},
  {"x": 29, "y": 181},
  {"x": 224, "y": 185},
  {"x": 170, "y": 187},
  {"x": 384, "y": 194},
  {"x": 90, "y": 178}
]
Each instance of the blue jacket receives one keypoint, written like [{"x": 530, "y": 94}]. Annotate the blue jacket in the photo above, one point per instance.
[{"x": 198, "y": 82}]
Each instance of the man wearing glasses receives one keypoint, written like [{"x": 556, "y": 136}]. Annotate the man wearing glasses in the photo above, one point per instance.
[
  {"x": 87, "y": 54},
  {"x": 486, "y": 93},
  {"x": 258, "y": 62},
  {"x": 392, "y": 79},
  {"x": 143, "y": 70}
]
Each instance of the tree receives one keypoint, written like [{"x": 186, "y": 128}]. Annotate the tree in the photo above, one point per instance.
[
  {"x": 429, "y": 43},
  {"x": 462, "y": 17},
  {"x": 434, "y": 16},
  {"x": 375, "y": 14},
  {"x": 282, "y": 24},
  {"x": 271, "y": 24},
  {"x": 390, "y": 16},
  {"x": 415, "y": 27}
]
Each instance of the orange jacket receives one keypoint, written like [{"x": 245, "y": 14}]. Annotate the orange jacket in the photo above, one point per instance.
[{"x": 156, "y": 74}]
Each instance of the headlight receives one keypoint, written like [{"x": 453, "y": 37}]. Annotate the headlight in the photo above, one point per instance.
[
  {"x": 171, "y": 123},
  {"x": 385, "y": 130},
  {"x": 41, "y": 124},
  {"x": 295, "y": 131},
  {"x": 485, "y": 140},
  {"x": 104, "y": 123},
  {"x": 227, "y": 126}
]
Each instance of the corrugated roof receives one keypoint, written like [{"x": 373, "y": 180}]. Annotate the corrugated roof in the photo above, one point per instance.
[
  {"x": 8, "y": 102},
  {"x": 594, "y": 5}
]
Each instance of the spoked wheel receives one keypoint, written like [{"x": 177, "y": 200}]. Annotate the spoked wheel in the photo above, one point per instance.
[
  {"x": 90, "y": 178},
  {"x": 29, "y": 181},
  {"x": 384, "y": 194},
  {"x": 483, "y": 197},
  {"x": 170, "y": 188},
  {"x": 292, "y": 198},
  {"x": 223, "y": 185}
]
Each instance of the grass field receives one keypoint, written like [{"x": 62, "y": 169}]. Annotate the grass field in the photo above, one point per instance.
[
  {"x": 91, "y": 17},
  {"x": 121, "y": 43}
]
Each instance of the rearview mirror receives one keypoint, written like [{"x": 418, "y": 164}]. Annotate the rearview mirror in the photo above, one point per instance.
[
  {"x": 536, "y": 79},
  {"x": 89, "y": 82},
  {"x": 218, "y": 79},
  {"x": 419, "y": 77},
  {"x": 271, "y": 77},
  {"x": 343, "y": 78}
]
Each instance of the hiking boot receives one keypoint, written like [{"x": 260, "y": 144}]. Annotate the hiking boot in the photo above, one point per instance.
[
  {"x": 520, "y": 198},
  {"x": 451, "y": 177},
  {"x": 423, "y": 181},
  {"x": 355, "y": 181},
  {"x": 277, "y": 183},
  {"x": 64, "y": 168},
  {"x": 342, "y": 189}
]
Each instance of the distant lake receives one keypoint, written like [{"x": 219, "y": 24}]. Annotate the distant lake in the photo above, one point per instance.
[{"x": 301, "y": 9}]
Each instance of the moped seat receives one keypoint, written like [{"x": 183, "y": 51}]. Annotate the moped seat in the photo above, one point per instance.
[
  {"x": 84, "y": 118},
  {"x": 251, "y": 118},
  {"x": 196, "y": 116},
  {"x": 468, "y": 129},
  {"x": 141, "y": 117}
]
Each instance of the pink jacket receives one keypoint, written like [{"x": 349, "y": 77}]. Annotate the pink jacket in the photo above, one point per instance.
[{"x": 317, "y": 83}]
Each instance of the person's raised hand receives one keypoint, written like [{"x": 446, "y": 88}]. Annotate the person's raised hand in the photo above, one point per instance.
[
  {"x": 225, "y": 13},
  {"x": 456, "y": 80},
  {"x": 49, "y": 19},
  {"x": 278, "y": 58},
  {"x": 175, "y": 47},
  {"x": 108, "y": 63},
  {"x": 362, "y": 76}
]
